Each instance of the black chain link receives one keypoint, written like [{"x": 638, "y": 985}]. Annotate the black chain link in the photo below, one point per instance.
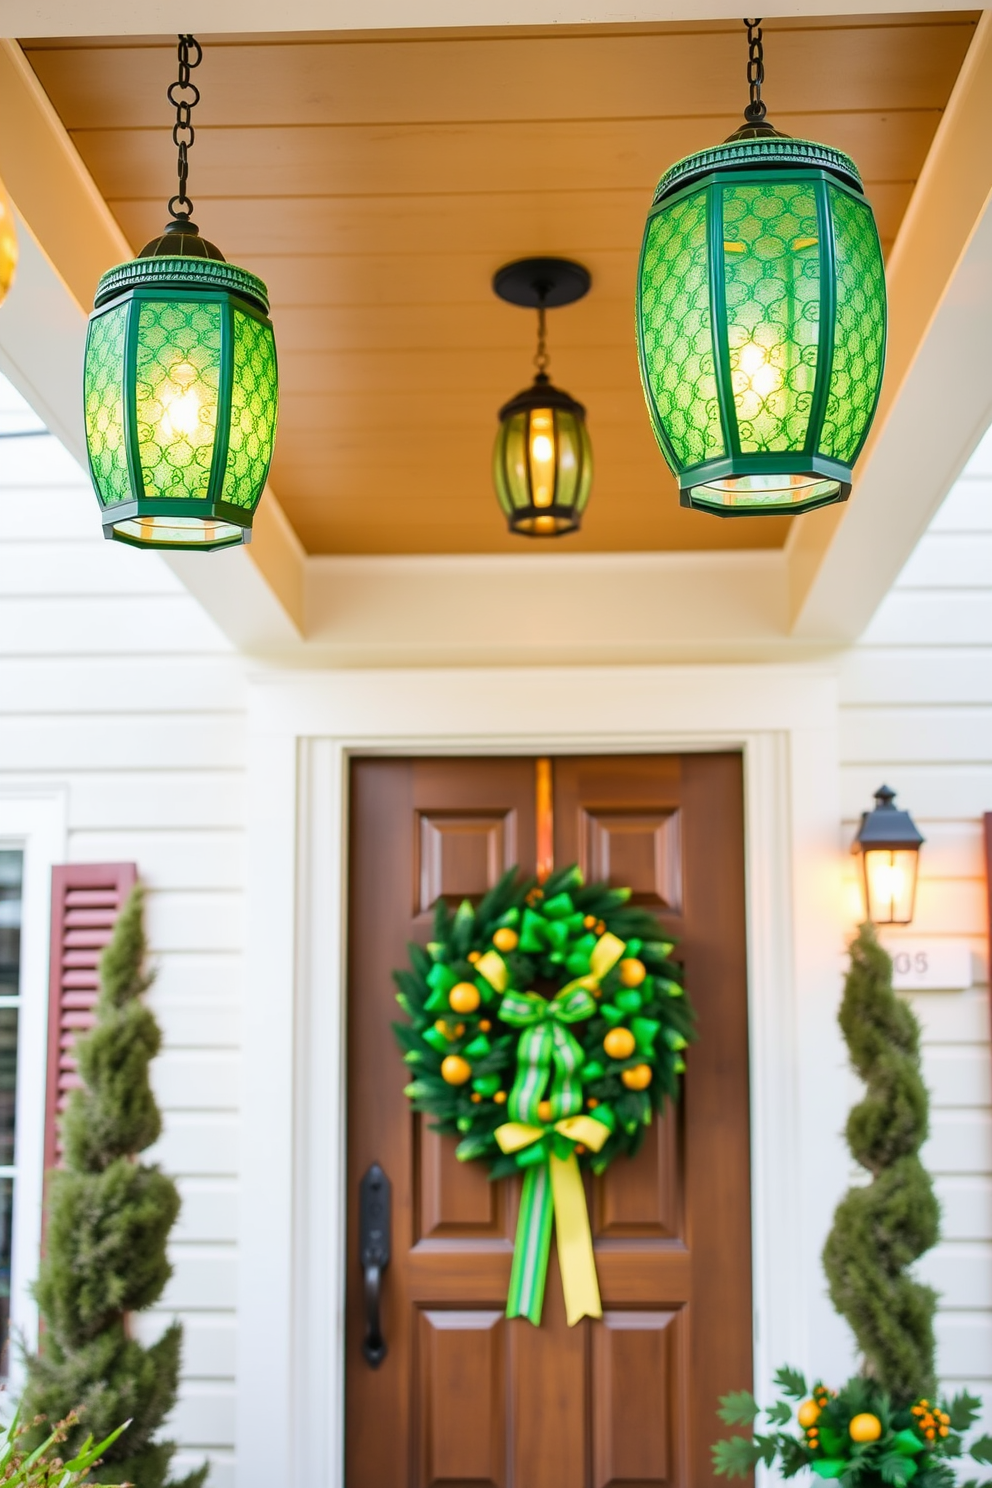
[
  {"x": 755, "y": 111},
  {"x": 184, "y": 95}
]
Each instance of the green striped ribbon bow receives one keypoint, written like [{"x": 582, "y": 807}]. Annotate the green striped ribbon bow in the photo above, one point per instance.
[{"x": 547, "y": 1051}]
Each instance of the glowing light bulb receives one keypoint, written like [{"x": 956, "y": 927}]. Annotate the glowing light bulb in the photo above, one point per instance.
[
  {"x": 182, "y": 403},
  {"x": 542, "y": 456},
  {"x": 758, "y": 375}
]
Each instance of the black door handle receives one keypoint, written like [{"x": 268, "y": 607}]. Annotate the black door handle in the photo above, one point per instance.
[{"x": 374, "y": 1224}]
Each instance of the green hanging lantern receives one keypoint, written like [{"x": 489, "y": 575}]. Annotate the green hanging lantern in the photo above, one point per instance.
[
  {"x": 180, "y": 381},
  {"x": 761, "y": 319}
]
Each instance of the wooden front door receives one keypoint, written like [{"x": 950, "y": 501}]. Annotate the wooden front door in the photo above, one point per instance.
[{"x": 464, "y": 1398}]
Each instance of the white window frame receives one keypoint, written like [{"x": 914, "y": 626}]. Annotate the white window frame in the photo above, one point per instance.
[{"x": 33, "y": 820}]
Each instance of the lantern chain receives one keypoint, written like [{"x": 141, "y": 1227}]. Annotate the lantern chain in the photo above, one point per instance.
[
  {"x": 755, "y": 111},
  {"x": 542, "y": 357},
  {"x": 184, "y": 95}
]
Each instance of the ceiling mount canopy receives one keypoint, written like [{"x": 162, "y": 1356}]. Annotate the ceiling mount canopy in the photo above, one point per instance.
[
  {"x": 542, "y": 462},
  {"x": 180, "y": 380},
  {"x": 761, "y": 318}
]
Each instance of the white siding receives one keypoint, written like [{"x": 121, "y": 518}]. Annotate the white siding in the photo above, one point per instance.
[
  {"x": 114, "y": 683},
  {"x": 917, "y": 716}
]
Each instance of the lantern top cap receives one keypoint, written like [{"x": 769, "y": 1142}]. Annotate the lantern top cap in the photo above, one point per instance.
[
  {"x": 182, "y": 271},
  {"x": 542, "y": 393},
  {"x": 886, "y": 827},
  {"x": 766, "y": 152}
]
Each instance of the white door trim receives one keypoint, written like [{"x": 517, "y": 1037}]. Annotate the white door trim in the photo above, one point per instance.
[{"x": 303, "y": 728}]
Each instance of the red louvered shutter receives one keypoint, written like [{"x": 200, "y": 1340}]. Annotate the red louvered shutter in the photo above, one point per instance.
[{"x": 86, "y": 900}]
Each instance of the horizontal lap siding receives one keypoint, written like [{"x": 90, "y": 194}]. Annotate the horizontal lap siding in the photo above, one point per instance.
[
  {"x": 114, "y": 683},
  {"x": 917, "y": 715}
]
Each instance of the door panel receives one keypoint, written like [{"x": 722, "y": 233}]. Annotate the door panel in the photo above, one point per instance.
[{"x": 465, "y": 1397}]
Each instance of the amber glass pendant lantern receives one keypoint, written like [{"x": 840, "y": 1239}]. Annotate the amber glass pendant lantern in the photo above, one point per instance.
[
  {"x": 180, "y": 381},
  {"x": 761, "y": 318},
  {"x": 542, "y": 462}
]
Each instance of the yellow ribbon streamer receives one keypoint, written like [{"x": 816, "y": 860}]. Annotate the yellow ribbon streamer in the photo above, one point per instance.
[
  {"x": 575, "y": 1254},
  {"x": 604, "y": 956}
]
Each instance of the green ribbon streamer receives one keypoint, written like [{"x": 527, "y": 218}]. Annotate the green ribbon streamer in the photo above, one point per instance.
[
  {"x": 533, "y": 1243},
  {"x": 546, "y": 1042}
]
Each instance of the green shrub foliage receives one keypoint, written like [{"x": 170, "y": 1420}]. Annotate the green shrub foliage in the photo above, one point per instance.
[
  {"x": 109, "y": 1218},
  {"x": 880, "y": 1229}
]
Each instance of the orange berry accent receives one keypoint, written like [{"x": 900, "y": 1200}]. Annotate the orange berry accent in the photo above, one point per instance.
[
  {"x": 632, "y": 971},
  {"x": 500, "y": 1097},
  {"x": 589, "y": 921},
  {"x": 485, "y": 1025},
  {"x": 455, "y": 1070},
  {"x": 619, "y": 1043},
  {"x": 544, "y": 1110},
  {"x": 579, "y": 1149},
  {"x": 592, "y": 1103},
  {"x": 944, "y": 1430},
  {"x": 476, "y": 1097},
  {"x": 474, "y": 956},
  {"x": 464, "y": 997}
]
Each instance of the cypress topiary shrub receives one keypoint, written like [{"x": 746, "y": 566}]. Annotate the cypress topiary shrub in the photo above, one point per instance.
[
  {"x": 109, "y": 1218},
  {"x": 880, "y": 1229}
]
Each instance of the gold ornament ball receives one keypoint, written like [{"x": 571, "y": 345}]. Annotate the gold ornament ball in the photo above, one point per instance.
[
  {"x": 632, "y": 971},
  {"x": 464, "y": 997},
  {"x": 809, "y": 1413},
  {"x": 865, "y": 1428},
  {"x": 544, "y": 1110},
  {"x": 455, "y": 1070},
  {"x": 619, "y": 1043},
  {"x": 638, "y": 1078},
  {"x": 506, "y": 939}
]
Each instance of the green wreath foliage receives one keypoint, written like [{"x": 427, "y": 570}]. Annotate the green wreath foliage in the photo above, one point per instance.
[{"x": 557, "y": 926}]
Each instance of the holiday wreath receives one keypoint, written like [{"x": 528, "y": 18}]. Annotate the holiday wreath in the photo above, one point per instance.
[{"x": 546, "y": 1029}]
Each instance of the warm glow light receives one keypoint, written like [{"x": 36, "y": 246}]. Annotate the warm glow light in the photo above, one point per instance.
[
  {"x": 890, "y": 885},
  {"x": 182, "y": 401},
  {"x": 753, "y": 372},
  {"x": 542, "y": 456}
]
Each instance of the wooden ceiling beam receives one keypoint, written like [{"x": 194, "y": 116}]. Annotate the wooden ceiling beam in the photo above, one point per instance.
[
  {"x": 246, "y": 17},
  {"x": 937, "y": 395},
  {"x": 68, "y": 239}
]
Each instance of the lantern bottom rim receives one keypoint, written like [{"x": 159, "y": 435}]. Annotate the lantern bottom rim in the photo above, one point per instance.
[
  {"x": 755, "y": 485},
  {"x": 187, "y": 533},
  {"x": 544, "y": 521}
]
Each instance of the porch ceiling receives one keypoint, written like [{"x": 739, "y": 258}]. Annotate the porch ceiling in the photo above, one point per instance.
[{"x": 376, "y": 182}]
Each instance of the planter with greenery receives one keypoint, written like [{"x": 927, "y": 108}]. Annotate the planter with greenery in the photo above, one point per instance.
[
  {"x": 109, "y": 1218},
  {"x": 885, "y": 1426}
]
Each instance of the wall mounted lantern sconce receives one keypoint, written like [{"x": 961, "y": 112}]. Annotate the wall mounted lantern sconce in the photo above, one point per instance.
[
  {"x": 889, "y": 842},
  {"x": 761, "y": 318},
  {"x": 180, "y": 382},
  {"x": 542, "y": 463}
]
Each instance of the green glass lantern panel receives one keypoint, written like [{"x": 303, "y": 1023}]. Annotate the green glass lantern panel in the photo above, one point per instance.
[
  {"x": 177, "y": 389},
  {"x": 772, "y": 295},
  {"x": 761, "y": 324},
  {"x": 677, "y": 336},
  {"x": 103, "y": 406},
  {"x": 254, "y": 404},
  {"x": 859, "y": 333}
]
